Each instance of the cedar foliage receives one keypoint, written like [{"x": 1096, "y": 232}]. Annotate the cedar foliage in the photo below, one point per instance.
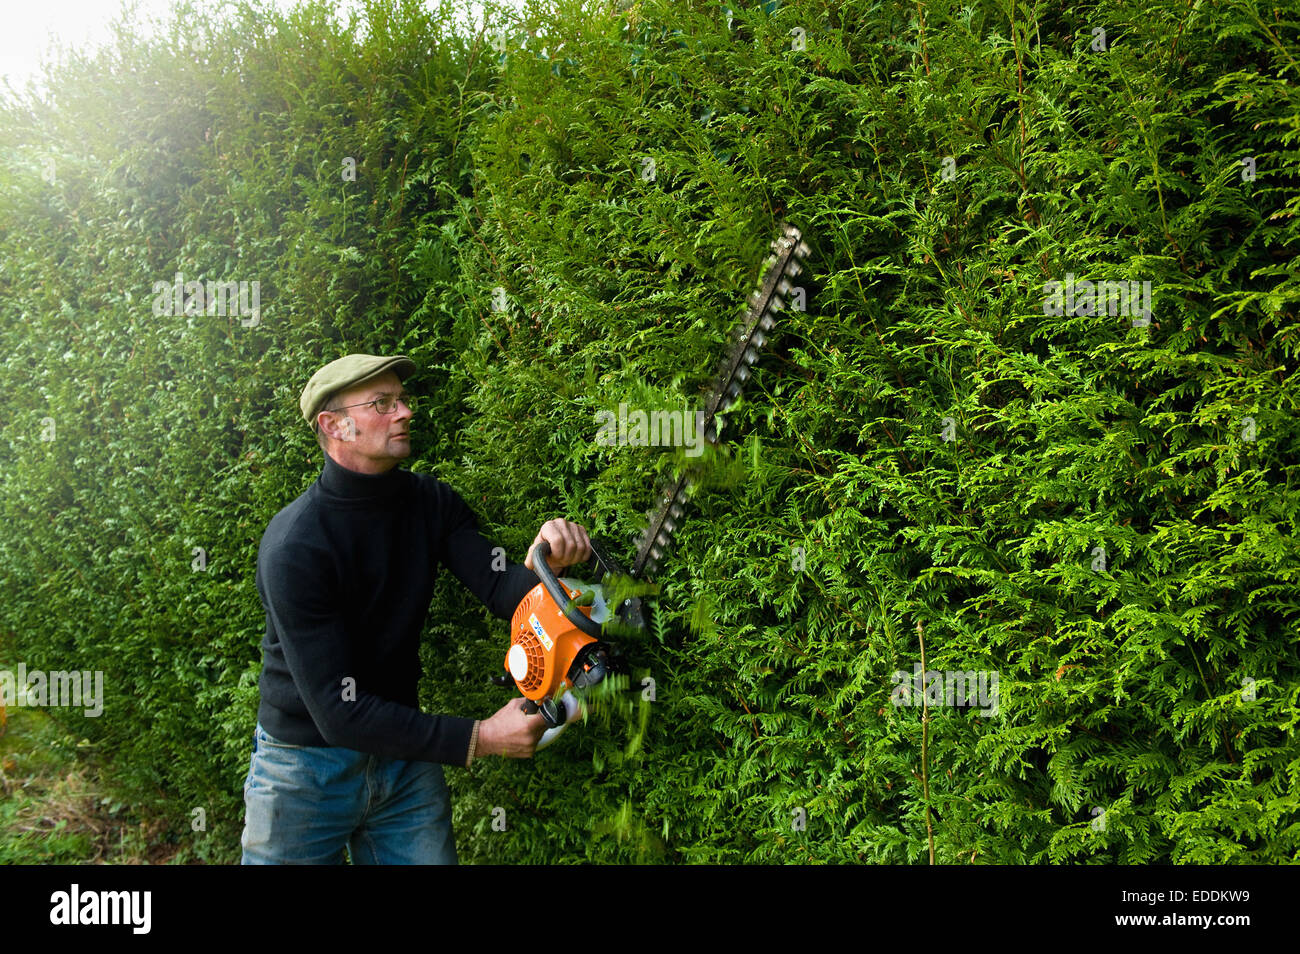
[{"x": 1102, "y": 514}]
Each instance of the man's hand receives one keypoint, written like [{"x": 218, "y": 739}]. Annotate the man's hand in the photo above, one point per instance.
[
  {"x": 510, "y": 733},
  {"x": 569, "y": 544}
]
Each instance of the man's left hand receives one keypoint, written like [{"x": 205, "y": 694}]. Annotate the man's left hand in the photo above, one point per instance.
[{"x": 569, "y": 544}]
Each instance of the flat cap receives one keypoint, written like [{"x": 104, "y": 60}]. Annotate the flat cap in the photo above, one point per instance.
[{"x": 344, "y": 373}]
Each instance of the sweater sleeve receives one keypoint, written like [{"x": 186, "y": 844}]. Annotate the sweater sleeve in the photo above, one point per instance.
[
  {"x": 302, "y": 599},
  {"x": 476, "y": 562}
]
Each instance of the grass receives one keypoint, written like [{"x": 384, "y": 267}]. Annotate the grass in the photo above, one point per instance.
[{"x": 56, "y": 809}]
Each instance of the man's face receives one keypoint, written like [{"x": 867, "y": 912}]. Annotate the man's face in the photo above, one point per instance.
[{"x": 372, "y": 442}]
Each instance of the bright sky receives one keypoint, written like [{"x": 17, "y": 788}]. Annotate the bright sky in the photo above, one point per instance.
[{"x": 28, "y": 28}]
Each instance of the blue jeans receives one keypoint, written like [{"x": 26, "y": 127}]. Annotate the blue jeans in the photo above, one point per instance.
[{"x": 304, "y": 804}]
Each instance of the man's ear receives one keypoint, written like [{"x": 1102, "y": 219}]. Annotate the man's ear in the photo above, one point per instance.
[{"x": 347, "y": 427}]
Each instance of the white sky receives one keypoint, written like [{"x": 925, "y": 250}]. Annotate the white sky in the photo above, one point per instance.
[{"x": 28, "y": 28}]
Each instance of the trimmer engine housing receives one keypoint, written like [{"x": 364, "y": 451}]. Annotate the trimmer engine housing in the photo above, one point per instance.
[{"x": 550, "y": 654}]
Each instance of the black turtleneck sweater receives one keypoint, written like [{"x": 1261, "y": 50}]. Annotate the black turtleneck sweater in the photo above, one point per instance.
[{"x": 346, "y": 575}]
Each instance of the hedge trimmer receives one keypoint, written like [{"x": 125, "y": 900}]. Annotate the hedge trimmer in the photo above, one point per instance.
[{"x": 556, "y": 651}]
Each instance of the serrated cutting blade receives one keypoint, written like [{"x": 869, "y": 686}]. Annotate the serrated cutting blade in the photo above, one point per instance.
[{"x": 747, "y": 340}]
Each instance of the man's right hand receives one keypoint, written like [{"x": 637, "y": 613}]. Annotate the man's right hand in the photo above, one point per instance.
[{"x": 510, "y": 733}]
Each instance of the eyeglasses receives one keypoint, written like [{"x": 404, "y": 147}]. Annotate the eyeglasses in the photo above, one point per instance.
[{"x": 384, "y": 405}]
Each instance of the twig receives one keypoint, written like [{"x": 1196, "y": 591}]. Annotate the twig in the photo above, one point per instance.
[
  {"x": 752, "y": 720},
  {"x": 925, "y": 746}
]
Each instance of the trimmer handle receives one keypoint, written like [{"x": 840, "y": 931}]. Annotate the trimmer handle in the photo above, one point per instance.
[
  {"x": 550, "y": 711},
  {"x": 558, "y": 594},
  {"x": 558, "y": 715}
]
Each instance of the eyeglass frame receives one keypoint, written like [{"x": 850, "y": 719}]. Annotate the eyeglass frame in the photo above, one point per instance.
[{"x": 404, "y": 397}]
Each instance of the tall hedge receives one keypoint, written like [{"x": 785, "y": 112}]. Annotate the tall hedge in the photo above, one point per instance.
[{"x": 562, "y": 210}]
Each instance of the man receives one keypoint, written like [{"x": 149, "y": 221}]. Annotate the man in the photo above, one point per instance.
[{"x": 342, "y": 755}]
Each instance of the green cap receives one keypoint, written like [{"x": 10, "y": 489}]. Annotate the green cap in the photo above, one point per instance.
[{"x": 342, "y": 374}]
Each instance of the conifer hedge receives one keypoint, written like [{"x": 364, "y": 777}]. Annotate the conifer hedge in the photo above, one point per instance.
[{"x": 959, "y": 449}]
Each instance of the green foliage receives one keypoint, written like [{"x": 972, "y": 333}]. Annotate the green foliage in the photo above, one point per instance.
[{"x": 1100, "y": 513}]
